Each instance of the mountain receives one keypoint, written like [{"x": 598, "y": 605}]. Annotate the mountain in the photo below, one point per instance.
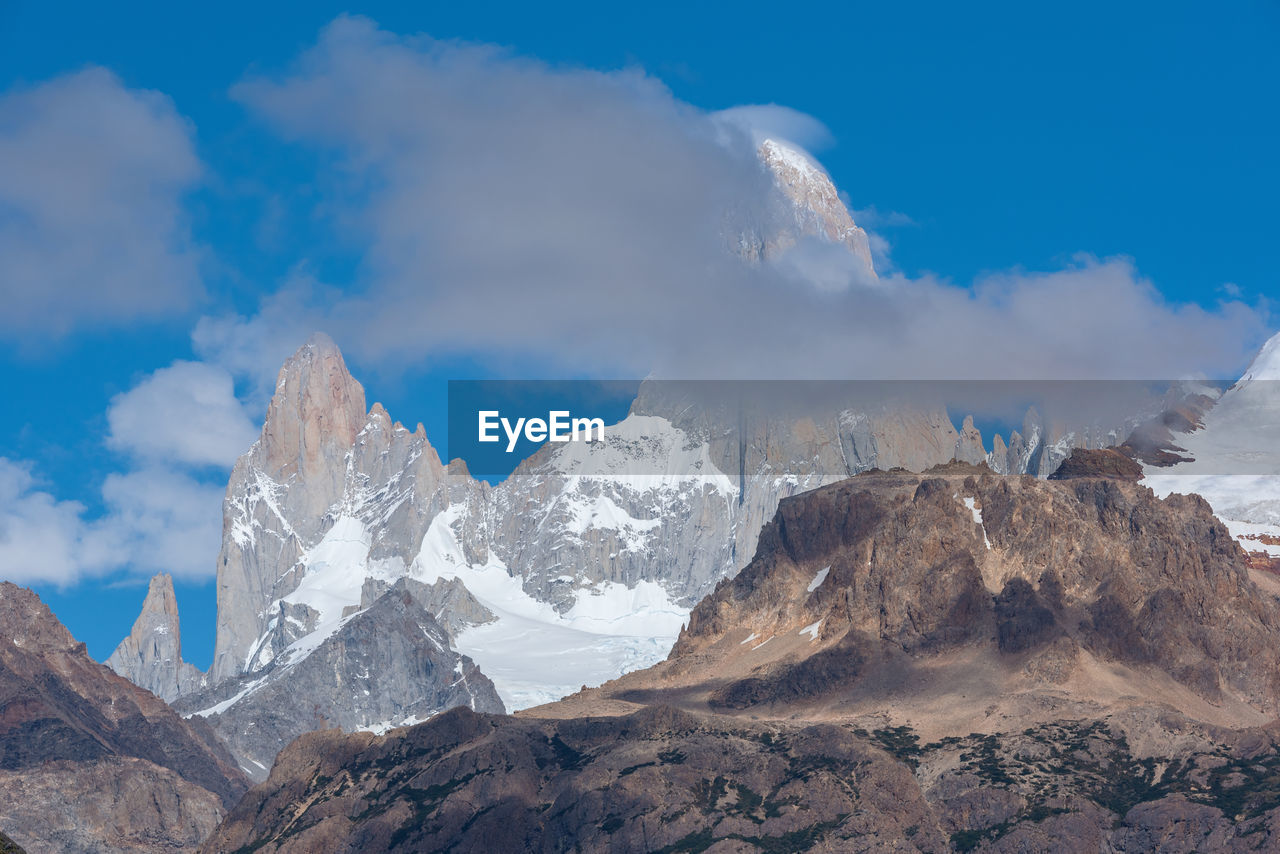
[
  {"x": 327, "y": 502},
  {"x": 151, "y": 656},
  {"x": 1228, "y": 453},
  {"x": 951, "y": 660},
  {"x": 579, "y": 567},
  {"x": 562, "y": 553},
  {"x": 89, "y": 761},
  {"x": 288, "y": 489},
  {"x": 389, "y": 663},
  {"x": 587, "y": 559},
  {"x": 658, "y": 781},
  {"x": 816, "y": 208},
  {"x": 1033, "y": 599}
]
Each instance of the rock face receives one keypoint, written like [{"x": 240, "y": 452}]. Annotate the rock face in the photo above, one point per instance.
[
  {"x": 1108, "y": 462},
  {"x": 579, "y": 567},
  {"x": 151, "y": 656},
  {"x": 816, "y": 206},
  {"x": 969, "y": 447},
  {"x": 946, "y": 661},
  {"x": 608, "y": 549},
  {"x": 660, "y": 780},
  {"x": 281, "y": 493},
  {"x": 1227, "y": 452},
  {"x": 604, "y": 547},
  {"x": 387, "y": 665},
  {"x": 448, "y": 601},
  {"x": 89, "y": 761},
  {"x": 1037, "y": 585}
]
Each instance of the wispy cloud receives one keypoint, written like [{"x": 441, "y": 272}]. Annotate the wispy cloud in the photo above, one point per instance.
[
  {"x": 774, "y": 121},
  {"x": 42, "y": 538},
  {"x": 92, "y": 229},
  {"x": 873, "y": 217},
  {"x": 185, "y": 414}
]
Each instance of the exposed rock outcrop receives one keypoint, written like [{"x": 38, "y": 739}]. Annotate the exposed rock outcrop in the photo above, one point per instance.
[
  {"x": 388, "y": 665},
  {"x": 1108, "y": 463},
  {"x": 281, "y": 492},
  {"x": 664, "y": 780},
  {"x": 89, "y": 761},
  {"x": 151, "y": 656},
  {"x": 447, "y": 600},
  {"x": 969, "y": 447},
  {"x": 1037, "y": 585}
]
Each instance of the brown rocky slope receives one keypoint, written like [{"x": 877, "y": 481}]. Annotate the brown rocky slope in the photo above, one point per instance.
[
  {"x": 89, "y": 761},
  {"x": 961, "y": 588},
  {"x": 947, "y": 661}
]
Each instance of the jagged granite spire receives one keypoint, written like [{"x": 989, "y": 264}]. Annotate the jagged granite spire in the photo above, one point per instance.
[
  {"x": 322, "y": 461},
  {"x": 280, "y": 489},
  {"x": 151, "y": 656}
]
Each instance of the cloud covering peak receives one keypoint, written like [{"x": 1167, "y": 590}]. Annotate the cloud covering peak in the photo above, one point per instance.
[{"x": 586, "y": 221}]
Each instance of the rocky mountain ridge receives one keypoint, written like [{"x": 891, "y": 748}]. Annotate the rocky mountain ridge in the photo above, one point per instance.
[
  {"x": 946, "y": 661},
  {"x": 151, "y": 656},
  {"x": 389, "y": 663},
  {"x": 89, "y": 761},
  {"x": 335, "y": 494},
  {"x": 1227, "y": 453},
  {"x": 555, "y": 568}
]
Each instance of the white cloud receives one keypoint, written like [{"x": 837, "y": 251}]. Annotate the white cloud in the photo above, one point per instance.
[
  {"x": 774, "y": 121},
  {"x": 157, "y": 520},
  {"x": 185, "y": 414},
  {"x": 163, "y": 520},
  {"x": 162, "y": 514},
  {"x": 873, "y": 217},
  {"x": 92, "y": 230},
  {"x": 558, "y": 220},
  {"x": 252, "y": 349},
  {"x": 39, "y": 535}
]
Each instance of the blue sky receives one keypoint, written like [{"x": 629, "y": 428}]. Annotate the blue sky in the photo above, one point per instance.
[{"x": 983, "y": 145}]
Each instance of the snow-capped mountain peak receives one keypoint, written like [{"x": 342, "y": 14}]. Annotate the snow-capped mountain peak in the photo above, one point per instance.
[
  {"x": 816, "y": 205},
  {"x": 1265, "y": 365}
]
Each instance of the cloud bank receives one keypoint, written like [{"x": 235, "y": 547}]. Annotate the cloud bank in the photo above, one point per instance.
[
  {"x": 575, "y": 221},
  {"x": 537, "y": 220},
  {"x": 92, "y": 227}
]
